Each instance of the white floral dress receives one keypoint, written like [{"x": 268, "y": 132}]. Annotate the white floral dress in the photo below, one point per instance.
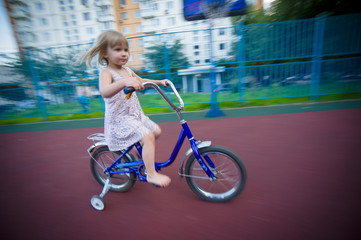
[{"x": 124, "y": 121}]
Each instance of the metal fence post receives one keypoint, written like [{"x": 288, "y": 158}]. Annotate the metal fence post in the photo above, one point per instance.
[
  {"x": 35, "y": 78},
  {"x": 167, "y": 67},
  {"x": 167, "y": 60},
  {"x": 101, "y": 100},
  {"x": 214, "y": 110},
  {"x": 318, "y": 39},
  {"x": 241, "y": 59}
]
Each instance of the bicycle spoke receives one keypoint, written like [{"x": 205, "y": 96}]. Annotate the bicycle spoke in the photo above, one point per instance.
[
  {"x": 228, "y": 172},
  {"x": 104, "y": 158}
]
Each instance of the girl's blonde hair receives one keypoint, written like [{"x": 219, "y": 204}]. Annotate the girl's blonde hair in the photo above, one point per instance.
[{"x": 109, "y": 38}]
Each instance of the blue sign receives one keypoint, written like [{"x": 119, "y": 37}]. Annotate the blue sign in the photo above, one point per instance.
[{"x": 200, "y": 9}]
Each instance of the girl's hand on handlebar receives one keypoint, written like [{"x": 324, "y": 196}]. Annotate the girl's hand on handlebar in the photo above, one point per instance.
[
  {"x": 163, "y": 82},
  {"x": 134, "y": 82}
]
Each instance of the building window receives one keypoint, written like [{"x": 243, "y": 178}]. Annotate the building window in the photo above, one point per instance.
[
  {"x": 155, "y": 6},
  {"x": 126, "y": 30},
  {"x": 46, "y": 36},
  {"x": 65, "y": 24},
  {"x": 221, "y": 31},
  {"x": 108, "y": 25},
  {"x": 139, "y": 28},
  {"x": 122, "y": 2},
  {"x": 137, "y": 14},
  {"x": 196, "y": 53},
  {"x": 169, "y": 5},
  {"x": 196, "y": 46},
  {"x": 89, "y": 30},
  {"x": 207, "y": 61},
  {"x": 155, "y": 22},
  {"x": 222, "y": 46},
  {"x": 86, "y": 16},
  {"x": 197, "y": 61},
  {"x": 171, "y": 21},
  {"x": 140, "y": 42},
  {"x": 71, "y": 8},
  {"x": 103, "y": 11},
  {"x": 125, "y": 15},
  {"x": 74, "y": 23},
  {"x": 61, "y": 2},
  {"x": 73, "y": 16},
  {"x": 39, "y": 6},
  {"x": 62, "y": 9},
  {"x": 43, "y": 22}
]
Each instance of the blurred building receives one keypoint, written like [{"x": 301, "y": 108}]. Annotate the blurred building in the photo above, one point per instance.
[
  {"x": 54, "y": 23},
  {"x": 166, "y": 16},
  {"x": 128, "y": 21}
]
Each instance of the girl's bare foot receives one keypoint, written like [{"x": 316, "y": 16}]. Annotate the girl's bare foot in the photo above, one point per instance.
[{"x": 159, "y": 179}]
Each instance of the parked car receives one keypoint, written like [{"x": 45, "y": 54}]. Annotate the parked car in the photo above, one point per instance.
[
  {"x": 298, "y": 79},
  {"x": 350, "y": 77},
  {"x": 26, "y": 104},
  {"x": 223, "y": 87}
]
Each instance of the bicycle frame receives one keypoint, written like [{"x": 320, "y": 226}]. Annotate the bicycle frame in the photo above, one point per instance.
[{"x": 137, "y": 166}]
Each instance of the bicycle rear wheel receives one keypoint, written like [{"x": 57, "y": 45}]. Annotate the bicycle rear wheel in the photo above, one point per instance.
[
  {"x": 102, "y": 159},
  {"x": 229, "y": 169}
]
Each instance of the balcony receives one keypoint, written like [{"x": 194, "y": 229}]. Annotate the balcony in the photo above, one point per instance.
[
  {"x": 106, "y": 18},
  {"x": 20, "y": 14},
  {"x": 18, "y": 2},
  {"x": 147, "y": 14},
  {"x": 100, "y": 3},
  {"x": 24, "y": 27}
]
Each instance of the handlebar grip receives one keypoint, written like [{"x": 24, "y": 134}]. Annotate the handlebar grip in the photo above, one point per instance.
[{"x": 128, "y": 92}]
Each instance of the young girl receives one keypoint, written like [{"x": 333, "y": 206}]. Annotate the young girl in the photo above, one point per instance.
[{"x": 125, "y": 122}]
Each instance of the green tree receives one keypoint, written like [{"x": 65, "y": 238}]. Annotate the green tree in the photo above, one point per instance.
[
  {"x": 159, "y": 55},
  {"x": 253, "y": 16},
  {"x": 283, "y": 10}
]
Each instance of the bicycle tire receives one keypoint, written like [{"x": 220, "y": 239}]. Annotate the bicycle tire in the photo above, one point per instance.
[
  {"x": 229, "y": 169},
  {"x": 105, "y": 157}
]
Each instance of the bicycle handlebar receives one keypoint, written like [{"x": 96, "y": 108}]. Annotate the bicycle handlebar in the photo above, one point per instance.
[{"x": 129, "y": 90}]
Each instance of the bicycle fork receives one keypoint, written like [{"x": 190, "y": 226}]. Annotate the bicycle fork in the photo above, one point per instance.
[
  {"x": 198, "y": 156},
  {"x": 208, "y": 170}
]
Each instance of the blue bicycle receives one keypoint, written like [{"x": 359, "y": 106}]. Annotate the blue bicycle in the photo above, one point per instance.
[{"x": 214, "y": 173}]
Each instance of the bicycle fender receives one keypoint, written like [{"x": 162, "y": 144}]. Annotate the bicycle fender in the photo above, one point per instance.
[
  {"x": 97, "y": 144},
  {"x": 199, "y": 146}
]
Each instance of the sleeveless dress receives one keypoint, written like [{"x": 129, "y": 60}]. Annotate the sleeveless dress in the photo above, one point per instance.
[{"x": 124, "y": 121}]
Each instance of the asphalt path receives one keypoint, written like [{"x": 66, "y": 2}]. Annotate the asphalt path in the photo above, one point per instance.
[{"x": 303, "y": 183}]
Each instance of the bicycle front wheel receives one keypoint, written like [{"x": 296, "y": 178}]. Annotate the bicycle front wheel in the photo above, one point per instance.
[
  {"x": 229, "y": 169},
  {"x": 101, "y": 159}
]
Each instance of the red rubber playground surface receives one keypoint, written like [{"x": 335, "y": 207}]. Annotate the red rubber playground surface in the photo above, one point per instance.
[{"x": 304, "y": 178}]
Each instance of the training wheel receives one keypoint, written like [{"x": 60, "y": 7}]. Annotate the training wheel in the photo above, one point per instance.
[{"x": 97, "y": 202}]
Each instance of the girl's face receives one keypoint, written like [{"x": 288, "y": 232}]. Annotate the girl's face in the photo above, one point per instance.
[{"x": 117, "y": 56}]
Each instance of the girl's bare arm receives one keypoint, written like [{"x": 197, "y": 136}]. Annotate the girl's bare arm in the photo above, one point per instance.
[
  {"x": 109, "y": 88},
  {"x": 158, "y": 82}
]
